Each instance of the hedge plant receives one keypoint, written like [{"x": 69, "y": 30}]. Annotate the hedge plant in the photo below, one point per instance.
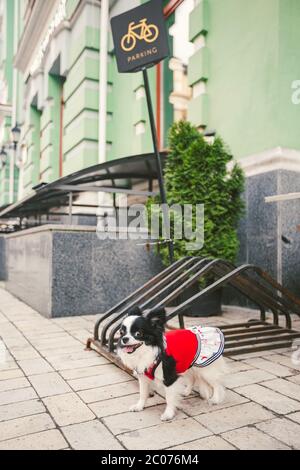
[{"x": 199, "y": 172}]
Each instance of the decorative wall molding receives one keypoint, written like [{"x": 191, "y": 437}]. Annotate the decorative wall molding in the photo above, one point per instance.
[
  {"x": 278, "y": 158},
  {"x": 40, "y": 17}
]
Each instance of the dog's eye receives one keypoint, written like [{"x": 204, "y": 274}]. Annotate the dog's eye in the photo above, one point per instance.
[
  {"x": 121, "y": 333},
  {"x": 138, "y": 334}
]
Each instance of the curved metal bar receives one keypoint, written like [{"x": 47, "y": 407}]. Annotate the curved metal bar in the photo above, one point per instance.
[
  {"x": 175, "y": 282},
  {"x": 262, "y": 303},
  {"x": 215, "y": 285},
  {"x": 263, "y": 314},
  {"x": 289, "y": 303},
  {"x": 148, "y": 284},
  {"x": 167, "y": 299},
  {"x": 142, "y": 297},
  {"x": 163, "y": 302},
  {"x": 210, "y": 266},
  {"x": 266, "y": 296},
  {"x": 292, "y": 298},
  {"x": 238, "y": 277},
  {"x": 173, "y": 295}
]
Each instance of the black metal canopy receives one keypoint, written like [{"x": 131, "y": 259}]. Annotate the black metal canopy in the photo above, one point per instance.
[{"x": 116, "y": 177}]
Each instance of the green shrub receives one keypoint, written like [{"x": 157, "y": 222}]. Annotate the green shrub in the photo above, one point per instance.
[{"x": 196, "y": 172}]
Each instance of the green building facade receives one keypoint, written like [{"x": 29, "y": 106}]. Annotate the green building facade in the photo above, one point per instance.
[
  {"x": 244, "y": 78},
  {"x": 57, "y": 61}
]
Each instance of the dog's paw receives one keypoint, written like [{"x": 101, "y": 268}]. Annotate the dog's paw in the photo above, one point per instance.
[
  {"x": 137, "y": 407},
  {"x": 218, "y": 396},
  {"x": 168, "y": 415}
]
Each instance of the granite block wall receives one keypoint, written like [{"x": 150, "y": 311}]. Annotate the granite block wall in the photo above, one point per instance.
[
  {"x": 268, "y": 232},
  {"x": 2, "y": 258},
  {"x": 71, "y": 272}
]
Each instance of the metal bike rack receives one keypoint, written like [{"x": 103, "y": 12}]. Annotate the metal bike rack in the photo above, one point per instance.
[{"x": 167, "y": 287}]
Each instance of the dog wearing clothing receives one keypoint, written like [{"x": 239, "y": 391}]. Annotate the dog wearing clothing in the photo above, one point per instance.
[{"x": 176, "y": 360}]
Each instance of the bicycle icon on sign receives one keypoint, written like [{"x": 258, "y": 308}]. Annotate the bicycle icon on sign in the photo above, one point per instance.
[{"x": 148, "y": 33}]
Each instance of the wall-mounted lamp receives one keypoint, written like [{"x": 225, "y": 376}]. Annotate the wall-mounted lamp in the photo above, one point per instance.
[
  {"x": 15, "y": 135},
  {"x": 3, "y": 158}
]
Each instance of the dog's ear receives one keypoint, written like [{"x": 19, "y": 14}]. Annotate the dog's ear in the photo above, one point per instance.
[
  {"x": 157, "y": 317},
  {"x": 135, "y": 311}
]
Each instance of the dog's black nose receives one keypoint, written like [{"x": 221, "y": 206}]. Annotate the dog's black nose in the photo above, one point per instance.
[{"x": 125, "y": 340}]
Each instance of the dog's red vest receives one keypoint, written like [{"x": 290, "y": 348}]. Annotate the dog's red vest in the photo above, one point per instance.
[{"x": 196, "y": 346}]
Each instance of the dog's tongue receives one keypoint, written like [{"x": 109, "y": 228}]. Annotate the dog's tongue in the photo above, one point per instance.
[{"x": 129, "y": 349}]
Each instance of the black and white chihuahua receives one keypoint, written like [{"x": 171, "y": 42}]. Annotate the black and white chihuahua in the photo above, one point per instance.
[{"x": 175, "y": 361}]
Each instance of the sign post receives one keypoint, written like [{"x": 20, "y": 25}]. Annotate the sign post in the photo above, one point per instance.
[{"x": 141, "y": 41}]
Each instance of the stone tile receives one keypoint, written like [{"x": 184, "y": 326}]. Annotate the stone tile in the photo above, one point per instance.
[
  {"x": 284, "y": 430},
  {"x": 8, "y": 365},
  {"x": 87, "y": 361},
  {"x": 91, "y": 318},
  {"x": 249, "y": 438},
  {"x": 232, "y": 418},
  {"x": 295, "y": 379},
  {"x": 68, "y": 409},
  {"x": 35, "y": 366},
  {"x": 207, "y": 443},
  {"x": 24, "y": 353},
  {"x": 270, "y": 366},
  {"x": 117, "y": 406},
  {"x": 54, "y": 344},
  {"x": 285, "y": 387},
  {"x": 111, "y": 391},
  {"x": 81, "y": 335},
  {"x": 84, "y": 372},
  {"x": 50, "y": 352},
  {"x": 110, "y": 376},
  {"x": 70, "y": 323},
  {"x": 11, "y": 374},
  {"x": 13, "y": 384},
  {"x": 272, "y": 400},
  {"x": 164, "y": 435},
  {"x": 196, "y": 406},
  {"x": 295, "y": 417},
  {"x": 49, "y": 331},
  {"x": 49, "y": 384},
  {"x": 55, "y": 339},
  {"x": 238, "y": 366},
  {"x": 23, "y": 408},
  {"x": 130, "y": 421},
  {"x": 17, "y": 342},
  {"x": 26, "y": 425},
  {"x": 14, "y": 396},
  {"x": 47, "y": 440},
  {"x": 54, "y": 335},
  {"x": 3, "y": 319},
  {"x": 91, "y": 436},
  {"x": 8, "y": 330},
  {"x": 285, "y": 361},
  {"x": 247, "y": 377},
  {"x": 249, "y": 355}
]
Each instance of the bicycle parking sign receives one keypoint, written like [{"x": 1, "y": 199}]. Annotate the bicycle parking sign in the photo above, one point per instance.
[{"x": 140, "y": 37}]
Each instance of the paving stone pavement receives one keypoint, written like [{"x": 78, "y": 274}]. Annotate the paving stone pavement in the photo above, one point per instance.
[{"x": 55, "y": 395}]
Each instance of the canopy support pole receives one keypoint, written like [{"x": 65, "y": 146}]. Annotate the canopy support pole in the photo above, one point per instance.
[
  {"x": 160, "y": 177},
  {"x": 70, "y": 208}
]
